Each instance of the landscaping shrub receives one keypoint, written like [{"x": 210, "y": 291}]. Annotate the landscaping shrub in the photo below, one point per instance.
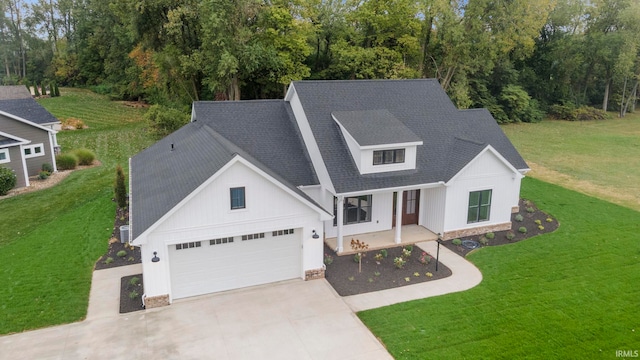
[
  {"x": 43, "y": 175},
  {"x": 66, "y": 161},
  {"x": 35, "y": 90},
  {"x": 47, "y": 167},
  {"x": 384, "y": 253},
  {"x": 73, "y": 123},
  {"x": 510, "y": 235},
  {"x": 7, "y": 180},
  {"x": 328, "y": 259},
  {"x": 531, "y": 210},
  {"x": 85, "y": 156},
  {"x": 120, "y": 188},
  {"x": 490, "y": 235},
  {"x": 108, "y": 261},
  {"x": 484, "y": 241},
  {"x": 133, "y": 294},
  {"x": 134, "y": 281},
  {"x": 122, "y": 253},
  {"x": 519, "y": 218},
  {"x": 357, "y": 257},
  {"x": 456, "y": 242},
  {"x": 571, "y": 113},
  {"x": 399, "y": 262},
  {"x": 522, "y": 229}
]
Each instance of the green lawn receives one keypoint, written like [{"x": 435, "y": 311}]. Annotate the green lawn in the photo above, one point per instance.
[
  {"x": 50, "y": 239},
  {"x": 600, "y": 158},
  {"x": 572, "y": 294}
]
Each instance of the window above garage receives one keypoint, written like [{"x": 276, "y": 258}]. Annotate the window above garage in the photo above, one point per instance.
[{"x": 378, "y": 141}]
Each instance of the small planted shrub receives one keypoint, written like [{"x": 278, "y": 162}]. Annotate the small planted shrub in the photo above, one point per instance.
[
  {"x": 47, "y": 167},
  {"x": 43, "y": 175},
  {"x": 406, "y": 253},
  {"x": 522, "y": 230},
  {"x": 131, "y": 258},
  {"x": 425, "y": 258},
  {"x": 119, "y": 188},
  {"x": 510, "y": 235},
  {"x": 357, "y": 257},
  {"x": 121, "y": 253},
  {"x": 376, "y": 273},
  {"x": 519, "y": 218},
  {"x": 428, "y": 274},
  {"x": 416, "y": 274},
  {"x": 456, "y": 242},
  {"x": 7, "y": 180},
  {"x": 85, "y": 156},
  {"x": 399, "y": 262},
  {"x": 66, "y": 161},
  {"x": 409, "y": 247},
  {"x": 108, "y": 261},
  {"x": 549, "y": 220},
  {"x": 490, "y": 235},
  {"x": 328, "y": 259},
  {"x": 531, "y": 210},
  {"x": 538, "y": 222},
  {"x": 484, "y": 241},
  {"x": 351, "y": 278},
  {"x": 540, "y": 227},
  {"x": 378, "y": 257},
  {"x": 133, "y": 294},
  {"x": 134, "y": 281},
  {"x": 384, "y": 253},
  {"x": 370, "y": 280},
  {"x": 407, "y": 279},
  {"x": 73, "y": 124}
]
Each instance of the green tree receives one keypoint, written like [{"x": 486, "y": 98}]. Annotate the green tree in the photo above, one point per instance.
[{"x": 120, "y": 189}]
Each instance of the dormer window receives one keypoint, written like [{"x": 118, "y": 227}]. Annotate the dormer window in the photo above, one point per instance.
[{"x": 394, "y": 156}]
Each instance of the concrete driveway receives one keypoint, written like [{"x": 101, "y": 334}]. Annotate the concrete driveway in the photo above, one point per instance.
[{"x": 289, "y": 320}]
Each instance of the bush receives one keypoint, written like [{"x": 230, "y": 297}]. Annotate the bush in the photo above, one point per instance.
[
  {"x": 47, "y": 167},
  {"x": 73, "y": 123},
  {"x": 85, "y": 156},
  {"x": 490, "y": 235},
  {"x": 510, "y": 235},
  {"x": 66, "y": 161},
  {"x": 484, "y": 241},
  {"x": 108, "y": 261},
  {"x": 120, "y": 188},
  {"x": 531, "y": 210},
  {"x": 165, "y": 120},
  {"x": 571, "y": 113},
  {"x": 134, "y": 294},
  {"x": 7, "y": 180},
  {"x": 519, "y": 218},
  {"x": 384, "y": 252},
  {"x": 522, "y": 229},
  {"x": 357, "y": 257},
  {"x": 122, "y": 253},
  {"x": 409, "y": 248},
  {"x": 456, "y": 242},
  {"x": 134, "y": 281},
  {"x": 538, "y": 222},
  {"x": 399, "y": 262},
  {"x": 43, "y": 175},
  {"x": 56, "y": 90},
  {"x": 35, "y": 90}
]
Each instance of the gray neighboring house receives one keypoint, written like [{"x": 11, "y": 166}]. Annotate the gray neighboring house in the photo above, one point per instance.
[{"x": 27, "y": 134}]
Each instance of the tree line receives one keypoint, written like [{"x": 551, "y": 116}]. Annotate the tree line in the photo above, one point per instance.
[{"x": 518, "y": 58}]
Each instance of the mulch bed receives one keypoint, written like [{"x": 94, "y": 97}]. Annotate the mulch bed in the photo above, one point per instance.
[
  {"x": 131, "y": 293},
  {"x": 344, "y": 277},
  {"x": 131, "y": 253},
  {"x": 529, "y": 212}
]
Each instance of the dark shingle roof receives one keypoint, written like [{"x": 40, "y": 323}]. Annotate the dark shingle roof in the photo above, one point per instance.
[
  {"x": 375, "y": 127},
  {"x": 262, "y": 132},
  {"x": 6, "y": 141},
  {"x": 422, "y": 106},
  {"x": 17, "y": 100}
]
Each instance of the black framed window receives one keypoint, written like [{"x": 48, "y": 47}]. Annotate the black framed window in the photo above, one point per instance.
[
  {"x": 237, "y": 198},
  {"x": 357, "y": 209},
  {"x": 479, "y": 206},
  {"x": 381, "y": 157}
]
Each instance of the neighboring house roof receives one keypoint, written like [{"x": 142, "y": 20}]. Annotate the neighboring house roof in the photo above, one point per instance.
[
  {"x": 8, "y": 140},
  {"x": 423, "y": 107},
  {"x": 375, "y": 127},
  {"x": 14, "y": 92},
  {"x": 28, "y": 109},
  {"x": 161, "y": 177}
]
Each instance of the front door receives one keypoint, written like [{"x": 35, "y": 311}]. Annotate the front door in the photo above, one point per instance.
[{"x": 410, "y": 206}]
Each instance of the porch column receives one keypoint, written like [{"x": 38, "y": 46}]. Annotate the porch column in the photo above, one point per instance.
[
  {"x": 339, "y": 221},
  {"x": 398, "y": 237}
]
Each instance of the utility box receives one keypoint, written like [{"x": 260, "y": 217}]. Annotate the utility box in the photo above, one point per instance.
[{"x": 124, "y": 233}]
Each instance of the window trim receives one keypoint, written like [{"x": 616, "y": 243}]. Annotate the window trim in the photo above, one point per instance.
[
  {"x": 7, "y": 158},
  {"x": 32, "y": 149},
  {"x": 244, "y": 198},
  {"x": 389, "y": 156},
  {"x": 358, "y": 208},
  {"x": 477, "y": 208}
]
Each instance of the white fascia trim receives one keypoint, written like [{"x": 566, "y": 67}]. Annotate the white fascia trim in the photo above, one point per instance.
[
  {"x": 237, "y": 158},
  {"x": 392, "y": 189},
  {"x": 488, "y": 148},
  {"x": 27, "y": 122},
  {"x": 193, "y": 112},
  {"x": 391, "y": 146},
  {"x": 21, "y": 140}
]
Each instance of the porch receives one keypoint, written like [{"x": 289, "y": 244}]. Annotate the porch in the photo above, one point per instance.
[{"x": 411, "y": 234}]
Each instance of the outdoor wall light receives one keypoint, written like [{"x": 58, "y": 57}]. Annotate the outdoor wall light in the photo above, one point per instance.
[
  {"x": 155, "y": 257},
  {"x": 315, "y": 234}
]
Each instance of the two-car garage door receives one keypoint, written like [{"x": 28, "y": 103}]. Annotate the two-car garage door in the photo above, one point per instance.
[{"x": 213, "y": 265}]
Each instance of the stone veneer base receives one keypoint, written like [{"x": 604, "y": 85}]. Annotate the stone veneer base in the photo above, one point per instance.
[
  {"x": 476, "y": 231},
  {"x": 314, "y": 274},
  {"x": 151, "y": 302}
]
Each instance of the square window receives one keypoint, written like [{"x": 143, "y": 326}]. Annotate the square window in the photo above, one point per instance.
[
  {"x": 377, "y": 157},
  {"x": 275, "y": 233},
  {"x": 280, "y": 232},
  {"x": 237, "y": 198},
  {"x": 178, "y": 246},
  {"x": 231, "y": 239},
  {"x": 261, "y": 235},
  {"x": 37, "y": 149},
  {"x": 290, "y": 231},
  {"x": 244, "y": 237},
  {"x": 27, "y": 151}
]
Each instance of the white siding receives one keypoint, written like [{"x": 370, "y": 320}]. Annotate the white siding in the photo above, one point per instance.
[
  {"x": 207, "y": 215},
  {"x": 381, "y": 218},
  {"x": 432, "y": 205},
  {"x": 486, "y": 172}
]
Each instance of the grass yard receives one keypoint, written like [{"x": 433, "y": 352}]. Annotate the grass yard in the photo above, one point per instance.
[
  {"x": 569, "y": 294},
  {"x": 50, "y": 239},
  {"x": 599, "y": 158}
]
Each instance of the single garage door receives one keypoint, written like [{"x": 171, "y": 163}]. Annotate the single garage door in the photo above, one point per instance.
[{"x": 209, "y": 266}]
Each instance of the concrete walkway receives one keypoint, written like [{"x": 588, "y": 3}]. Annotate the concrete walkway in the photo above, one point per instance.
[
  {"x": 288, "y": 320},
  {"x": 464, "y": 276}
]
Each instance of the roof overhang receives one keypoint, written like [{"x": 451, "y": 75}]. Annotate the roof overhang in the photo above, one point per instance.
[
  {"x": 19, "y": 140},
  {"x": 18, "y": 118}
]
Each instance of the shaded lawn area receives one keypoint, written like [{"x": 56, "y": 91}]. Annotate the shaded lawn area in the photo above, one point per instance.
[{"x": 573, "y": 293}]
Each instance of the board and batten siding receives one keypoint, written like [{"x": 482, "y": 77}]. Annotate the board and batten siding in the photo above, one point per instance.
[
  {"x": 33, "y": 134},
  {"x": 486, "y": 172},
  {"x": 208, "y": 215},
  {"x": 381, "y": 218},
  {"x": 432, "y": 205}
]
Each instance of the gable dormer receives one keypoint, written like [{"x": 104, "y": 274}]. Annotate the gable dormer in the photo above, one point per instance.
[{"x": 377, "y": 140}]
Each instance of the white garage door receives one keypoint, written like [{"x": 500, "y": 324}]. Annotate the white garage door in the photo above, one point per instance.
[{"x": 229, "y": 263}]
